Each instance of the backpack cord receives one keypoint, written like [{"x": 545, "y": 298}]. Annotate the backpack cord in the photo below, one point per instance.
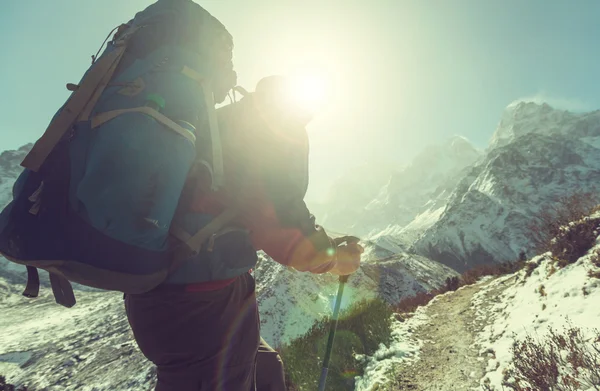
[{"x": 94, "y": 57}]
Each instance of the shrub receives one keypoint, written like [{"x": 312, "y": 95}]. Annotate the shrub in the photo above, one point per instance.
[
  {"x": 360, "y": 331},
  {"x": 575, "y": 240},
  {"x": 594, "y": 273},
  {"x": 547, "y": 224},
  {"x": 564, "y": 361},
  {"x": 530, "y": 267},
  {"x": 595, "y": 259},
  {"x": 411, "y": 303}
]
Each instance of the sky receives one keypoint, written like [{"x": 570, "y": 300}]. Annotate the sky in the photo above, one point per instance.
[{"x": 402, "y": 73}]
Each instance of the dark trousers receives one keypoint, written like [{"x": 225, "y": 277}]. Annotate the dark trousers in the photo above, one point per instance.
[{"x": 205, "y": 341}]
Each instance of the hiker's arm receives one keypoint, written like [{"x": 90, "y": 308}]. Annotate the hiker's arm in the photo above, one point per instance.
[
  {"x": 306, "y": 245},
  {"x": 313, "y": 251}
]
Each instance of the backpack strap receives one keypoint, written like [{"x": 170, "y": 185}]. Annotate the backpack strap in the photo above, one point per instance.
[
  {"x": 32, "y": 289},
  {"x": 79, "y": 104},
  {"x": 161, "y": 118},
  {"x": 62, "y": 289},
  {"x": 193, "y": 243},
  {"x": 215, "y": 136}
]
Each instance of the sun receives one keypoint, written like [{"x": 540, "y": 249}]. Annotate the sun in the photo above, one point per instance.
[{"x": 310, "y": 91}]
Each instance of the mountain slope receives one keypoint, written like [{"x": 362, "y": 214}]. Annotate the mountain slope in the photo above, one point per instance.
[
  {"x": 291, "y": 301},
  {"x": 358, "y": 209},
  {"x": 487, "y": 216},
  {"x": 9, "y": 171}
]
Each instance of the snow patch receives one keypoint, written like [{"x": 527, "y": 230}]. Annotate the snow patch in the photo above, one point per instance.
[
  {"x": 404, "y": 349},
  {"x": 550, "y": 297}
]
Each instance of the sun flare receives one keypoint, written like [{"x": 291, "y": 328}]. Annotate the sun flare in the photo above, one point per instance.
[{"x": 309, "y": 91}]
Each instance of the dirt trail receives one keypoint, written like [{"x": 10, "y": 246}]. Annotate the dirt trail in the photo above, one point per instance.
[{"x": 448, "y": 360}]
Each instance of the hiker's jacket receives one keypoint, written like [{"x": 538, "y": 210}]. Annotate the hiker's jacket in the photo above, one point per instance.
[{"x": 266, "y": 174}]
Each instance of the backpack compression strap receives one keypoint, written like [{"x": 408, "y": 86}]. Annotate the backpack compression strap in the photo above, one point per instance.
[
  {"x": 193, "y": 243},
  {"x": 161, "y": 118}
]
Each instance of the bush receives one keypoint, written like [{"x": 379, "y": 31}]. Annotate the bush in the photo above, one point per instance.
[
  {"x": 410, "y": 304},
  {"x": 575, "y": 240},
  {"x": 565, "y": 361},
  {"x": 595, "y": 258},
  {"x": 530, "y": 267},
  {"x": 547, "y": 224},
  {"x": 360, "y": 331}
]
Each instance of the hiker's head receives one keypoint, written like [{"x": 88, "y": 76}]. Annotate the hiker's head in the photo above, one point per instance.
[{"x": 274, "y": 98}]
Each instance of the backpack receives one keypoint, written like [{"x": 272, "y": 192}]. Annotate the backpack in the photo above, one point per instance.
[{"x": 100, "y": 188}]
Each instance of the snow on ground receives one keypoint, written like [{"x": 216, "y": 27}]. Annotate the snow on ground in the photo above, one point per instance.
[
  {"x": 403, "y": 349},
  {"x": 507, "y": 309},
  {"x": 88, "y": 347},
  {"x": 550, "y": 297}
]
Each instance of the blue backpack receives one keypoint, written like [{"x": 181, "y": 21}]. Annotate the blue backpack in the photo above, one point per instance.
[{"x": 100, "y": 188}]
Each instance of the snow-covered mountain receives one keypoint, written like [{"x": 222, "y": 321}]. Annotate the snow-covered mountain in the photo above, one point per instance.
[
  {"x": 361, "y": 208},
  {"x": 291, "y": 301},
  {"x": 9, "y": 171},
  {"x": 348, "y": 195},
  {"x": 537, "y": 155},
  {"x": 452, "y": 204}
]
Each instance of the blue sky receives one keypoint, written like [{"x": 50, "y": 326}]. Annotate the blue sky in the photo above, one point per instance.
[{"x": 407, "y": 73}]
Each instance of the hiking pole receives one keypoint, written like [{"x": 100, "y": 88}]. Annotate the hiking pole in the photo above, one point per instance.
[{"x": 333, "y": 327}]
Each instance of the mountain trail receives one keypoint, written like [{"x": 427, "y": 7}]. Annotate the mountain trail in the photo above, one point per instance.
[{"x": 449, "y": 360}]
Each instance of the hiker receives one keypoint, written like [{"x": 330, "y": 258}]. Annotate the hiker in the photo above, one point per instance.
[
  {"x": 139, "y": 185},
  {"x": 205, "y": 335}
]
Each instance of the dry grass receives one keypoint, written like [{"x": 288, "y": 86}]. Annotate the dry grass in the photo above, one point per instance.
[{"x": 564, "y": 361}]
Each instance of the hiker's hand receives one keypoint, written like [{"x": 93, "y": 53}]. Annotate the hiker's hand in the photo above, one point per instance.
[{"x": 347, "y": 259}]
